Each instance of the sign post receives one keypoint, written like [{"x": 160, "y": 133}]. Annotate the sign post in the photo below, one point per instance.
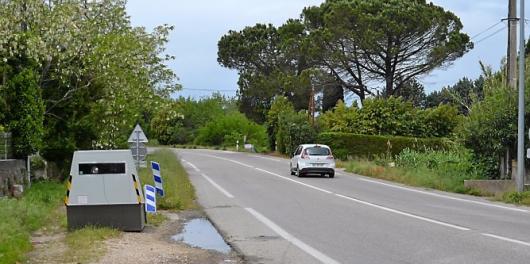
[
  {"x": 137, "y": 139},
  {"x": 155, "y": 167}
]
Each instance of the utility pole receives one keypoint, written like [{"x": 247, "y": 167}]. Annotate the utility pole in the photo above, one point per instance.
[
  {"x": 312, "y": 105},
  {"x": 512, "y": 44},
  {"x": 511, "y": 76},
  {"x": 520, "y": 129}
]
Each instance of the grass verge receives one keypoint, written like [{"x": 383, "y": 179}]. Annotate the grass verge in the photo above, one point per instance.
[
  {"x": 515, "y": 198},
  {"x": 419, "y": 177},
  {"x": 83, "y": 243},
  {"x": 179, "y": 194},
  {"x": 21, "y": 217}
]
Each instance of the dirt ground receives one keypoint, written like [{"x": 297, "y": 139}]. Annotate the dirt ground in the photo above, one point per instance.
[{"x": 153, "y": 245}]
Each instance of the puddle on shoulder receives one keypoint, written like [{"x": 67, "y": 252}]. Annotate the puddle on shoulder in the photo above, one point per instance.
[{"x": 199, "y": 232}]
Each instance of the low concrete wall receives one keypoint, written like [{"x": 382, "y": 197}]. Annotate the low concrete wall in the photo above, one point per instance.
[
  {"x": 11, "y": 172},
  {"x": 492, "y": 187}
]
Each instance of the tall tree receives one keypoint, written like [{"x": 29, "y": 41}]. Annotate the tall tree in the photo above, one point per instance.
[
  {"x": 414, "y": 92},
  {"x": 366, "y": 43}
]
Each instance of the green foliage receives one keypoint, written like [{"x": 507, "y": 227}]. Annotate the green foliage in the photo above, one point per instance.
[
  {"x": 438, "y": 169},
  {"x": 440, "y": 121},
  {"x": 491, "y": 126},
  {"x": 166, "y": 125},
  {"x": 341, "y": 119},
  {"x": 279, "y": 107},
  {"x": 463, "y": 95},
  {"x": 414, "y": 92},
  {"x": 288, "y": 128},
  {"x": 517, "y": 198},
  {"x": 98, "y": 75},
  {"x": 25, "y": 113},
  {"x": 389, "y": 41},
  {"x": 178, "y": 121},
  {"x": 453, "y": 162},
  {"x": 294, "y": 129},
  {"x": 345, "y": 145},
  {"x": 22, "y": 217},
  {"x": 225, "y": 130},
  {"x": 391, "y": 116}
]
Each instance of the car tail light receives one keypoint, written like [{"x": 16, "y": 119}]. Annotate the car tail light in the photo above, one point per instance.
[
  {"x": 304, "y": 155},
  {"x": 330, "y": 157}
]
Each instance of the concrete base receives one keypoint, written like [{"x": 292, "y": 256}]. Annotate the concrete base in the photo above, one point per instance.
[
  {"x": 126, "y": 217},
  {"x": 492, "y": 187}
]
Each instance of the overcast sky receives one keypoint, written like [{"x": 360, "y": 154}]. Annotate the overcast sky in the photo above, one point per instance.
[{"x": 199, "y": 24}]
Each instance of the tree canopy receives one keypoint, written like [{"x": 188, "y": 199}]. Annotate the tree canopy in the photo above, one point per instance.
[{"x": 365, "y": 47}]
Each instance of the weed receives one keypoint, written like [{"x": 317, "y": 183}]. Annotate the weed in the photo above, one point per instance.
[{"x": 179, "y": 194}]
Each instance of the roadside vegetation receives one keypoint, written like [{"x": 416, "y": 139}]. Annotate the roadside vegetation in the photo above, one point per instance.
[
  {"x": 41, "y": 209},
  {"x": 64, "y": 82},
  {"x": 21, "y": 217},
  {"x": 442, "y": 170},
  {"x": 179, "y": 194}
]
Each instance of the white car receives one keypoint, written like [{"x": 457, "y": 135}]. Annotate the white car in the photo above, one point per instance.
[{"x": 312, "y": 159}]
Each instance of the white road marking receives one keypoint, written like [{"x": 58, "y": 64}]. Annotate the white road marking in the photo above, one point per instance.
[
  {"x": 191, "y": 165},
  {"x": 289, "y": 179},
  {"x": 293, "y": 240},
  {"x": 236, "y": 162},
  {"x": 445, "y": 196},
  {"x": 221, "y": 189},
  {"x": 267, "y": 158},
  {"x": 507, "y": 239},
  {"x": 404, "y": 213},
  {"x": 353, "y": 199}
]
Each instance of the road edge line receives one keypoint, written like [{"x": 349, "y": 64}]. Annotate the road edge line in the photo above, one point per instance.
[
  {"x": 293, "y": 240},
  {"x": 461, "y": 228}
]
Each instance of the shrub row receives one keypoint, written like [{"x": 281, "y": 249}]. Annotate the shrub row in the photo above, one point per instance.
[{"x": 346, "y": 145}]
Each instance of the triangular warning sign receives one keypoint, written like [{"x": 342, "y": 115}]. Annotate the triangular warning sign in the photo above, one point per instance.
[{"x": 137, "y": 134}]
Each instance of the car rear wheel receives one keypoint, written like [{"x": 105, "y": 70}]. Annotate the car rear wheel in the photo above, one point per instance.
[
  {"x": 291, "y": 169},
  {"x": 298, "y": 173},
  {"x": 332, "y": 175}
]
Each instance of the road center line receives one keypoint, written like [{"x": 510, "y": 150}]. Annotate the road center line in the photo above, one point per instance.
[
  {"x": 445, "y": 196},
  {"x": 301, "y": 183},
  {"x": 293, "y": 240},
  {"x": 404, "y": 213},
  {"x": 236, "y": 162},
  {"x": 221, "y": 189},
  {"x": 353, "y": 199},
  {"x": 507, "y": 239}
]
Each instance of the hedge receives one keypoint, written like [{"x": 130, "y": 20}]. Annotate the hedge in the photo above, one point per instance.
[{"x": 346, "y": 145}]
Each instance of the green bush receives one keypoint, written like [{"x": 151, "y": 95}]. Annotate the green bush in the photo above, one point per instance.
[
  {"x": 451, "y": 166},
  {"x": 25, "y": 113},
  {"x": 346, "y": 145},
  {"x": 391, "y": 116},
  {"x": 227, "y": 129},
  {"x": 444, "y": 170}
]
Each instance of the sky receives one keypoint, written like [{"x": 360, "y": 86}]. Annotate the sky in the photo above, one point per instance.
[{"x": 199, "y": 25}]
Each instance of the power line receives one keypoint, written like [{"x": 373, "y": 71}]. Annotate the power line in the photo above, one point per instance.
[
  {"x": 491, "y": 35},
  {"x": 208, "y": 90},
  {"x": 486, "y": 30}
]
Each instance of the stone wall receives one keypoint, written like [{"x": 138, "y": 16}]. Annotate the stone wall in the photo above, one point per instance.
[
  {"x": 491, "y": 187},
  {"x": 12, "y": 172}
]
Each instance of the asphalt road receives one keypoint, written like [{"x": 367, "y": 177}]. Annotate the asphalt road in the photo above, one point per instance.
[{"x": 273, "y": 217}]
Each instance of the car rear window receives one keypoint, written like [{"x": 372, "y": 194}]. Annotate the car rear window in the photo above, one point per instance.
[{"x": 318, "y": 151}]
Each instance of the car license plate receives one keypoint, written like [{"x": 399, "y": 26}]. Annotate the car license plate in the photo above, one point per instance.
[{"x": 318, "y": 164}]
